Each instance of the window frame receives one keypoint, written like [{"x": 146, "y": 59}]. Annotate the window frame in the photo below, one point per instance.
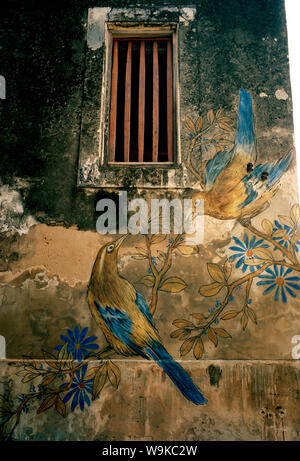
[
  {"x": 94, "y": 169},
  {"x": 144, "y": 30}
]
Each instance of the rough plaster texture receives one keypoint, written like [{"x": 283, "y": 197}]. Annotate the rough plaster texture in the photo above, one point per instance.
[{"x": 48, "y": 241}]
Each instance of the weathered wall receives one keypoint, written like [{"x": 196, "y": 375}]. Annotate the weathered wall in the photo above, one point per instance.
[{"x": 48, "y": 240}]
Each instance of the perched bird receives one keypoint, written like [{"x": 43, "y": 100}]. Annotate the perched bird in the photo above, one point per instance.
[
  {"x": 125, "y": 319},
  {"x": 235, "y": 186}
]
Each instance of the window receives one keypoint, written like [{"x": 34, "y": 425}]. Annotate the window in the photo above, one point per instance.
[
  {"x": 141, "y": 102},
  {"x": 131, "y": 124}
]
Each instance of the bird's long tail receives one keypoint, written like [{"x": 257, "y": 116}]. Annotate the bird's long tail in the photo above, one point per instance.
[
  {"x": 176, "y": 373},
  {"x": 244, "y": 137}
]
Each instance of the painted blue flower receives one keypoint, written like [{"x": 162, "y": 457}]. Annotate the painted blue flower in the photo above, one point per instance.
[
  {"x": 277, "y": 280},
  {"x": 244, "y": 251},
  {"x": 285, "y": 240},
  {"x": 78, "y": 343},
  {"x": 80, "y": 390}
]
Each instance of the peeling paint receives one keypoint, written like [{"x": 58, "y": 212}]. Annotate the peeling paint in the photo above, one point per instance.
[
  {"x": 281, "y": 94},
  {"x": 13, "y": 218},
  {"x": 96, "y": 27}
]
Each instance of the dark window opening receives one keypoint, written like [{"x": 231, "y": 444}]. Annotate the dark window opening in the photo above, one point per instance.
[{"x": 141, "y": 109}]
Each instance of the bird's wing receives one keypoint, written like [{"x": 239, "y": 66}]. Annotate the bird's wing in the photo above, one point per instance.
[
  {"x": 143, "y": 306},
  {"x": 215, "y": 166},
  {"x": 255, "y": 186},
  {"x": 119, "y": 323},
  {"x": 244, "y": 150}
]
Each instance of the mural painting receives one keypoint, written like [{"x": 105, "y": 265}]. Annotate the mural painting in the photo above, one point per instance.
[{"x": 234, "y": 185}]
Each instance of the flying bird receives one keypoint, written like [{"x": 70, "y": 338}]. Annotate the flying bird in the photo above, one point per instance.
[
  {"x": 236, "y": 187},
  {"x": 125, "y": 319}
]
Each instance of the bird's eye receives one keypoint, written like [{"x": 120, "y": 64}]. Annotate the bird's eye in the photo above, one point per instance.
[
  {"x": 110, "y": 248},
  {"x": 197, "y": 202}
]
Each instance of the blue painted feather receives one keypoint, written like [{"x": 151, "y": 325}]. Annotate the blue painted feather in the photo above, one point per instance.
[
  {"x": 121, "y": 326},
  {"x": 176, "y": 373},
  {"x": 254, "y": 186},
  {"x": 244, "y": 142}
]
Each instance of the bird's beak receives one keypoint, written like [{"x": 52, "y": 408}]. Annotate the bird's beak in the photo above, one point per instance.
[{"x": 119, "y": 241}]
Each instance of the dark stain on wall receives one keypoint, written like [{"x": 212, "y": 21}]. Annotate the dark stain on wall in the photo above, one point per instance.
[{"x": 215, "y": 374}]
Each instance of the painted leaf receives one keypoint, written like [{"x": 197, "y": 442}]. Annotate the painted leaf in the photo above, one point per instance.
[
  {"x": 114, "y": 374},
  {"x": 92, "y": 373},
  {"x": 60, "y": 406},
  {"x": 186, "y": 250},
  {"x": 47, "y": 403},
  {"x": 48, "y": 355},
  {"x": 199, "y": 123},
  {"x": 187, "y": 346},
  {"x": 212, "y": 336},
  {"x": 63, "y": 353},
  {"x": 190, "y": 125},
  {"x": 222, "y": 333},
  {"x": 22, "y": 373},
  {"x": 147, "y": 280},
  {"x": 51, "y": 360},
  {"x": 244, "y": 321},
  {"x": 253, "y": 262},
  {"x": 157, "y": 238},
  {"x": 29, "y": 377},
  {"x": 198, "y": 349},
  {"x": 141, "y": 253},
  {"x": 99, "y": 381},
  {"x": 181, "y": 333},
  {"x": 224, "y": 126},
  {"x": 286, "y": 221},
  {"x": 263, "y": 253},
  {"x": 279, "y": 233},
  {"x": 229, "y": 315},
  {"x": 185, "y": 334},
  {"x": 252, "y": 315},
  {"x": 295, "y": 213},
  {"x": 173, "y": 285},
  {"x": 4, "y": 415},
  {"x": 267, "y": 226},
  {"x": 215, "y": 272},
  {"x": 224, "y": 119},
  {"x": 182, "y": 323},
  {"x": 210, "y": 116},
  {"x": 5, "y": 410},
  {"x": 218, "y": 113},
  {"x": 210, "y": 290},
  {"x": 47, "y": 380},
  {"x": 199, "y": 317}
]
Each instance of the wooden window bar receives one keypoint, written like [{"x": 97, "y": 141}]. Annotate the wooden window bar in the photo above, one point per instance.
[{"x": 153, "y": 73}]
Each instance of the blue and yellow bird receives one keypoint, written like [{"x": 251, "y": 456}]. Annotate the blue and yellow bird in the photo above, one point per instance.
[
  {"x": 235, "y": 186},
  {"x": 125, "y": 319}
]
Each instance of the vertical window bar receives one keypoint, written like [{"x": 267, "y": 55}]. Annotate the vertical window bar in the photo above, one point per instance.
[
  {"x": 142, "y": 89},
  {"x": 169, "y": 101},
  {"x": 155, "y": 114},
  {"x": 113, "y": 103},
  {"x": 127, "y": 108}
]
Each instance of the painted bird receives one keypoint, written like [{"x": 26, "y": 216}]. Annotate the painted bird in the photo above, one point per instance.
[
  {"x": 235, "y": 186},
  {"x": 125, "y": 319}
]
